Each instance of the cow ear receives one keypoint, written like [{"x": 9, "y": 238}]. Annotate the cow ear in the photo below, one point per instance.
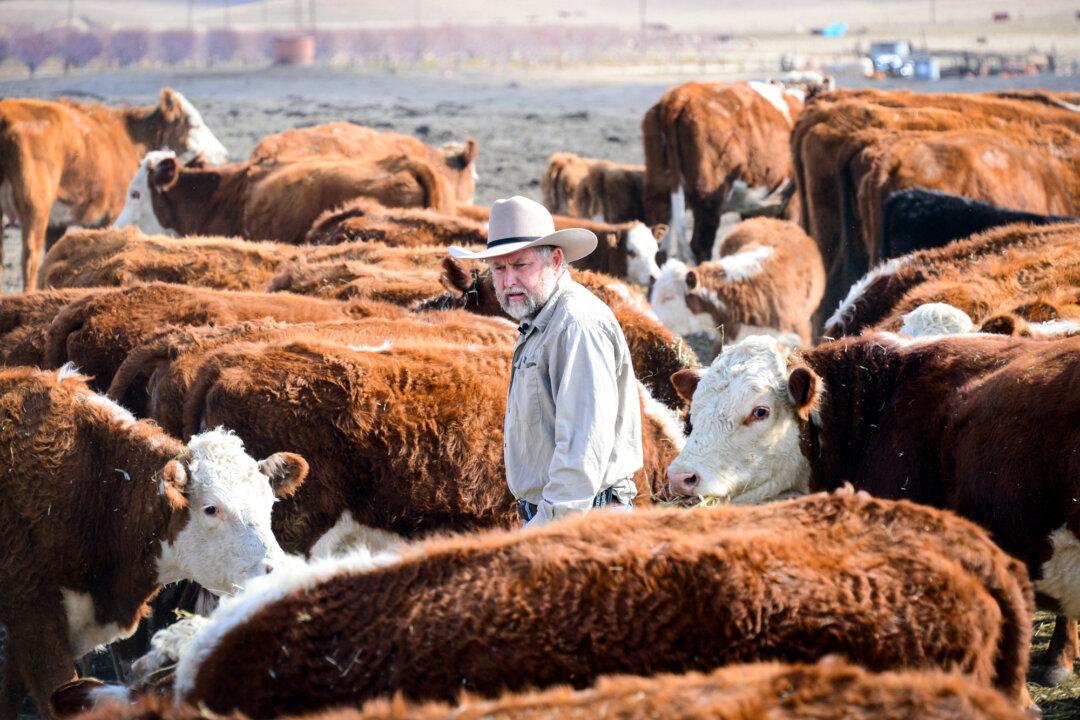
[
  {"x": 174, "y": 480},
  {"x": 286, "y": 472},
  {"x": 1006, "y": 324},
  {"x": 168, "y": 102},
  {"x": 691, "y": 280},
  {"x": 454, "y": 278},
  {"x": 164, "y": 174},
  {"x": 803, "y": 389},
  {"x": 686, "y": 381},
  {"x": 472, "y": 149},
  {"x": 659, "y": 230},
  {"x": 74, "y": 697}
]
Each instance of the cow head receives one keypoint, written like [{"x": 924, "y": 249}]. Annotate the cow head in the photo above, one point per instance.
[
  {"x": 467, "y": 288},
  {"x": 138, "y": 203},
  {"x": 184, "y": 131},
  {"x": 221, "y": 499},
  {"x": 671, "y": 301},
  {"x": 930, "y": 319},
  {"x": 641, "y": 250},
  {"x": 746, "y": 413},
  {"x": 461, "y": 158}
]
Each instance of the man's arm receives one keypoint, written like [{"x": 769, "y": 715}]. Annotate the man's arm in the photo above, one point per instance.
[{"x": 584, "y": 381}]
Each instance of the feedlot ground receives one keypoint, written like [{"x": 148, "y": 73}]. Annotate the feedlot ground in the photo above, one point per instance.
[{"x": 518, "y": 122}]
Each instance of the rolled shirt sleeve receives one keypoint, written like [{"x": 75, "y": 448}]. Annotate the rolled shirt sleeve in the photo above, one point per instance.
[{"x": 583, "y": 375}]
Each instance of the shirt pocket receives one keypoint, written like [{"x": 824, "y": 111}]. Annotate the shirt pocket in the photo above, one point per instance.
[{"x": 524, "y": 396}]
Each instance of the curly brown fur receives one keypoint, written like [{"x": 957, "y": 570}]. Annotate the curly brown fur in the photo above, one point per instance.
[
  {"x": 24, "y": 319},
  {"x": 363, "y": 219},
  {"x": 652, "y": 591}
]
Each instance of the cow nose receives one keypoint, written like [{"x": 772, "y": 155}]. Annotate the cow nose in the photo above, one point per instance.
[
  {"x": 268, "y": 567},
  {"x": 682, "y": 483}
]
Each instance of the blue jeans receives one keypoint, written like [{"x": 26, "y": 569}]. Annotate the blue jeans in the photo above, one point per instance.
[{"x": 527, "y": 511}]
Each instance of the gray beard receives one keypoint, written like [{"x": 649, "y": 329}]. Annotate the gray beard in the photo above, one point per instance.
[{"x": 531, "y": 306}]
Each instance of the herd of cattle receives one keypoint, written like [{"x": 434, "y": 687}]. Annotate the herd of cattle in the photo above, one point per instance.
[{"x": 268, "y": 379}]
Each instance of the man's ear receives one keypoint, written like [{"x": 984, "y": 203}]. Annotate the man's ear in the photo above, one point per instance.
[
  {"x": 803, "y": 388},
  {"x": 558, "y": 257},
  {"x": 686, "y": 382}
]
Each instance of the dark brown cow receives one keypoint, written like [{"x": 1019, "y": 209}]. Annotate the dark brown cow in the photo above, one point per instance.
[
  {"x": 596, "y": 189},
  {"x": 64, "y": 162},
  {"x": 76, "y": 574},
  {"x": 645, "y": 592},
  {"x": 829, "y": 690},
  {"x": 982, "y": 425}
]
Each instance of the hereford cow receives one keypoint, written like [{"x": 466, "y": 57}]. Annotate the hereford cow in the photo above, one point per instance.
[
  {"x": 907, "y": 419},
  {"x": 920, "y": 219},
  {"x": 97, "y": 332},
  {"x": 455, "y": 162},
  {"x": 154, "y": 379},
  {"x": 63, "y": 162},
  {"x": 353, "y": 280},
  {"x": 829, "y": 690},
  {"x": 76, "y": 574},
  {"x": 421, "y": 450},
  {"x": 700, "y": 139},
  {"x": 768, "y": 279},
  {"x": 655, "y": 351},
  {"x": 276, "y": 203},
  {"x": 651, "y": 591},
  {"x": 873, "y": 297}
]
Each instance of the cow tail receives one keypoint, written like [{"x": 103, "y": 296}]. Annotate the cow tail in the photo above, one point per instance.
[{"x": 1017, "y": 602}]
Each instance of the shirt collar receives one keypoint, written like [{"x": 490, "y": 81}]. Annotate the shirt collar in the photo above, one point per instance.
[{"x": 544, "y": 316}]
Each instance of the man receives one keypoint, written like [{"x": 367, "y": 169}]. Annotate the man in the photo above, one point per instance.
[{"x": 572, "y": 433}]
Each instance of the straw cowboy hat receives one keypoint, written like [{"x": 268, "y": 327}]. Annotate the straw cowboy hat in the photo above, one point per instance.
[{"x": 520, "y": 223}]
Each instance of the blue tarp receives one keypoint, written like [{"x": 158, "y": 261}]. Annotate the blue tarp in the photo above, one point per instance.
[{"x": 835, "y": 30}]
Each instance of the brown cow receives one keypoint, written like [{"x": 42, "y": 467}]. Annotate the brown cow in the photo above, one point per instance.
[
  {"x": 829, "y": 690},
  {"x": 597, "y": 189},
  {"x": 64, "y": 162},
  {"x": 119, "y": 257},
  {"x": 363, "y": 219},
  {"x": 456, "y": 162},
  {"x": 872, "y": 299},
  {"x": 97, "y": 332},
  {"x": 655, "y": 351},
  {"x": 650, "y": 591},
  {"x": 353, "y": 280},
  {"x": 700, "y": 140},
  {"x": 154, "y": 378},
  {"x": 24, "y": 320},
  {"x": 75, "y": 574},
  {"x": 821, "y": 145},
  {"x": 404, "y": 437},
  {"x": 769, "y": 279},
  {"x": 275, "y": 203},
  {"x": 983, "y": 425}
]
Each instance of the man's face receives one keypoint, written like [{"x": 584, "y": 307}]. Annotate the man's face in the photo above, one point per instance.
[{"x": 524, "y": 281}]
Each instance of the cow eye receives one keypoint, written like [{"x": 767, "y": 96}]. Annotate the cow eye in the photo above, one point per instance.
[
  {"x": 631, "y": 253},
  {"x": 210, "y": 510},
  {"x": 759, "y": 413},
  {"x": 136, "y": 195}
]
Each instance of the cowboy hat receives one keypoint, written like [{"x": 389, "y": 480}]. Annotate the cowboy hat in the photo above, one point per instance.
[{"x": 520, "y": 223}]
